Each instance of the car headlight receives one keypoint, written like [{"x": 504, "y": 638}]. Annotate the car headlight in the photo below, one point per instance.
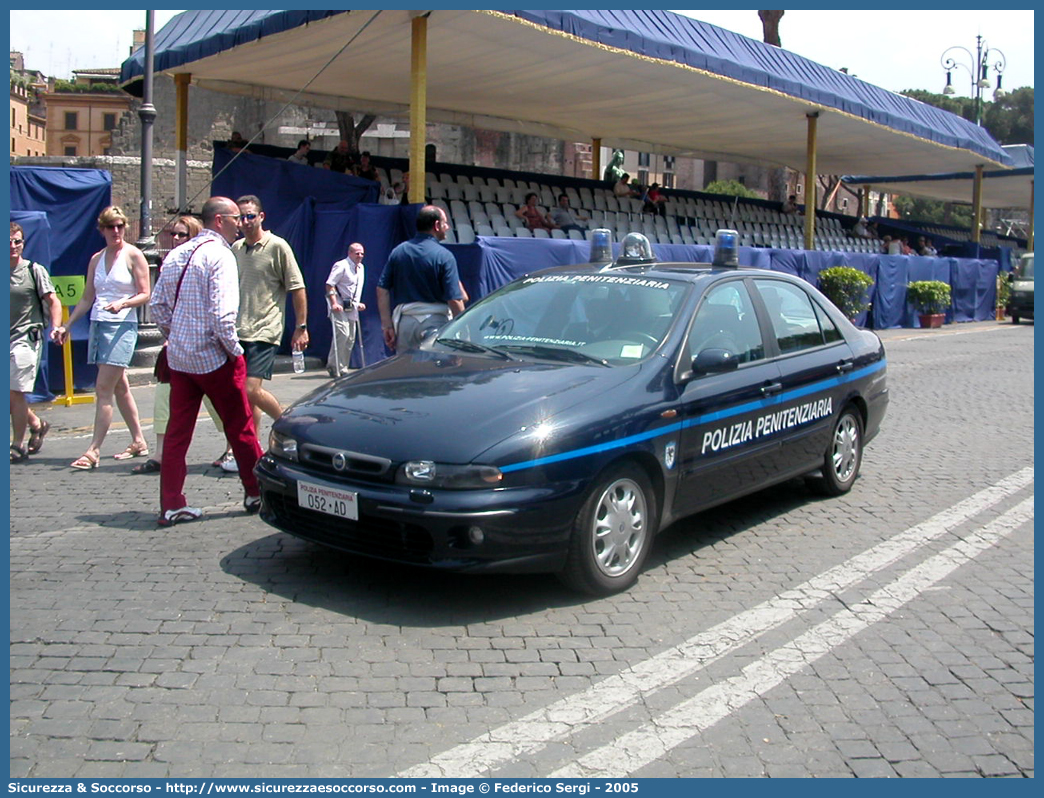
[
  {"x": 282, "y": 446},
  {"x": 425, "y": 473}
]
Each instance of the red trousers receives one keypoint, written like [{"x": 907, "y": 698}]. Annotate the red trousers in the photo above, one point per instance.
[{"x": 226, "y": 388}]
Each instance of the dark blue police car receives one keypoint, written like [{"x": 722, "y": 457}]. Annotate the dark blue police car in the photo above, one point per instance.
[{"x": 564, "y": 419}]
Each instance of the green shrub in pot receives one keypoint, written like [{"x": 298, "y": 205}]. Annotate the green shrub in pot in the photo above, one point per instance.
[
  {"x": 847, "y": 288},
  {"x": 929, "y": 296}
]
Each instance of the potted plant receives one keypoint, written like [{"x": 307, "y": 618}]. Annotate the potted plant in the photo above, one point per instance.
[
  {"x": 847, "y": 288},
  {"x": 931, "y": 298},
  {"x": 1003, "y": 293}
]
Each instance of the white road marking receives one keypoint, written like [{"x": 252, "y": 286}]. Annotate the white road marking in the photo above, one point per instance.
[
  {"x": 632, "y": 751},
  {"x": 570, "y": 715}
]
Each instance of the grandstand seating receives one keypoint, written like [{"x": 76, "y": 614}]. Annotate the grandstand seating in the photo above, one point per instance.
[{"x": 478, "y": 205}]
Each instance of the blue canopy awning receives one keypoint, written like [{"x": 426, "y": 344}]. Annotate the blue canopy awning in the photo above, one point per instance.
[
  {"x": 1001, "y": 188},
  {"x": 646, "y": 80}
]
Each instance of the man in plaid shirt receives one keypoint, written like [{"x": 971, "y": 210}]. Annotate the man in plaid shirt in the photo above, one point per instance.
[{"x": 204, "y": 354}]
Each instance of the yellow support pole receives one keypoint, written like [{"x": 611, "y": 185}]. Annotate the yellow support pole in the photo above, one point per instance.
[
  {"x": 418, "y": 106},
  {"x": 69, "y": 289},
  {"x": 977, "y": 206},
  {"x": 68, "y": 398},
  {"x": 810, "y": 181},
  {"x": 596, "y": 159},
  {"x": 181, "y": 86}
]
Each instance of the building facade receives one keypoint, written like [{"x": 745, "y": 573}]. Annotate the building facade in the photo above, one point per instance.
[
  {"x": 82, "y": 117},
  {"x": 28, "y": 126}
]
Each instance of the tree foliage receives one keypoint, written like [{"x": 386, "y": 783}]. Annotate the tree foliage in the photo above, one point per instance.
[
  {"x": 68, "y": 87},
  {"x": 1009, "y": 120},
  {"x": 918, "y": 209},
  {"x": 732, "y": 188}
]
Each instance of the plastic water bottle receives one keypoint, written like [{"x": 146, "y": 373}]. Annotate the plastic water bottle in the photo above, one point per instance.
[{"x": 298, "y": 358}]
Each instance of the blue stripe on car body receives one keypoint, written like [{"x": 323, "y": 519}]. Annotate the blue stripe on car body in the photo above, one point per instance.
[{"x": 747, "y": 407}]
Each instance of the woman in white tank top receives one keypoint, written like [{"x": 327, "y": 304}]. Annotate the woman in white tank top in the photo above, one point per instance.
[{"x": 117, "y": 282}]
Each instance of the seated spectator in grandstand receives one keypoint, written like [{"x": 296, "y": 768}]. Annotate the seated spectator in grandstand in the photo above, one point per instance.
[
  {"x": 301, "y": 156},
  {"x": 402, "y": 189},
  {"x": 340, "y": 159},
  {"x": 563, "y": 218},
  {"x": 924, "y": 247},
  {"x": 860, "y": 230},
  {"x": 891, "y": 246},
  {"x": 622, "y": 188},
  {"x": 237, "y": 142},
  {"x": 531, "y": 215},
  {"x": 365, "y": 169},
  {"x": 654, "y": 201},
  {"x": 904, "y": 246},
  {"x": 790, "y": 206}
]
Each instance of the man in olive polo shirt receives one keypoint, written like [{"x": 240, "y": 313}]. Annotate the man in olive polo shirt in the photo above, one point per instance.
[{"x": 268, "y": 271}]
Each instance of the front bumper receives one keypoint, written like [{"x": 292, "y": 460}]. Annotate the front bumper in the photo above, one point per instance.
[
  {"x": 1021, "y": 304},
  {"x": 524, "y": 529}
]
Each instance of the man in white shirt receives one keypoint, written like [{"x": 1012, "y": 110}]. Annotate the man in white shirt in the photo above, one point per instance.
[
  {"x": 344, "y": 289},
  {"x": 304, "y": 146}
]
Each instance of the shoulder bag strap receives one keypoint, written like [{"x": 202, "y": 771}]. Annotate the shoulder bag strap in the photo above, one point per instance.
[{"x": 177, "y": 291}]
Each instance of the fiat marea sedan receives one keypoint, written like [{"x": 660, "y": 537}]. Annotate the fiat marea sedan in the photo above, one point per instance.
[{"x": 560, "y": 422}]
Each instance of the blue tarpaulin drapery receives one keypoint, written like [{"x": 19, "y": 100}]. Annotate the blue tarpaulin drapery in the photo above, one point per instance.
[
  {"x": 63, "y": 241},
  {"x": 332, "y": 211}
]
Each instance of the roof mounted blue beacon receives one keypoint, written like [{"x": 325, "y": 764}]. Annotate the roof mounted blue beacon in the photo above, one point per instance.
[
  {"x": 601, "y": 246},
  {"x": 635, "y": 248},
  {"x": 726, "y": 249}
]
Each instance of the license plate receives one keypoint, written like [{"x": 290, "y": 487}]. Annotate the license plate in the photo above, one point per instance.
[{"x": 332, "y": 501}]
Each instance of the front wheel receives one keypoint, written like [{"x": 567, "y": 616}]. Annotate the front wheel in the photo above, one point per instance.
[
  {"x": 843, "y": 456},
  {"x": 1014, "y": 318},
  {"x": 612, "y": 533}
]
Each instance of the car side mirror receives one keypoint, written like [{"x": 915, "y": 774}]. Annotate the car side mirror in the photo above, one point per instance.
[{"x": 714, "y": 361}]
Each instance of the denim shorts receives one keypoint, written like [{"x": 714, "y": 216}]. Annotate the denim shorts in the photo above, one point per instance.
[{"x": 111, "y": 343}]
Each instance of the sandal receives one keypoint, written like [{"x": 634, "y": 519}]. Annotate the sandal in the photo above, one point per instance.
[
  {"x": 85, "y": 462},
  {"x": 36, "y": 436},
  {"x": 134, "y": 450},
  {"x": 150, "y": 466},
  {"x": 18, "y": 454}
]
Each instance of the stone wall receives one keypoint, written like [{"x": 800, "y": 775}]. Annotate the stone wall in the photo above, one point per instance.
[{"x": 126, "y": 182}]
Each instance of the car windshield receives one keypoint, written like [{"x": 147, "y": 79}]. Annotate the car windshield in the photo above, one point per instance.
[
  {"x": 1025, "y": 269},
  {"x": 605, "y": 319}
]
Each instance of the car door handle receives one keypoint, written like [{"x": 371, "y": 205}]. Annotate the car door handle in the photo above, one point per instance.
[
  {"x": 845, "y": 366},
  {"x": 771, "y": 388}
]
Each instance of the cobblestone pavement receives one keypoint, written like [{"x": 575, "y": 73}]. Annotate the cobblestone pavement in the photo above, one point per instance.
[{"x": 887, "y": 632}]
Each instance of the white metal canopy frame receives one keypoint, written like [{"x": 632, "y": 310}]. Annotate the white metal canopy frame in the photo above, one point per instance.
[
  {"x": 498, "y": 70},
  {"x": 651, "y": 81}
]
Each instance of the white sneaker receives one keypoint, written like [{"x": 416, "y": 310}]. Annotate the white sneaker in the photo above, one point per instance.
[
  {"x": 252, "y": 504},
  {"x": 172, "y": 517},
  {"x": 228, "y": 463}
]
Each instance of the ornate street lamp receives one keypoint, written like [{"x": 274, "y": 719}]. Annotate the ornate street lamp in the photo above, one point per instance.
[{"x": 978, "y": 68}]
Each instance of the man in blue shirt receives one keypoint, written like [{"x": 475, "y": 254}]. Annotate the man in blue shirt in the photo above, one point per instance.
[{"x": 419, "y": 289}]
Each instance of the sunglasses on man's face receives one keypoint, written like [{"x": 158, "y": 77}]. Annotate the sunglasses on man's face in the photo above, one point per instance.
[
  {"x": 249, "y": 217},
  {"x": 178, "y": 234},
  {"x": 16, "y": 242},
  {"x": 117, "y": 226}
]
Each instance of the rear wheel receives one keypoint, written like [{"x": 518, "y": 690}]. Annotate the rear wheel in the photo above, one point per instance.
[
  {"x": 612, "y": 533},
  {"x": 1014, "y": 318},
  {"x": 843, "y": 456}
]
